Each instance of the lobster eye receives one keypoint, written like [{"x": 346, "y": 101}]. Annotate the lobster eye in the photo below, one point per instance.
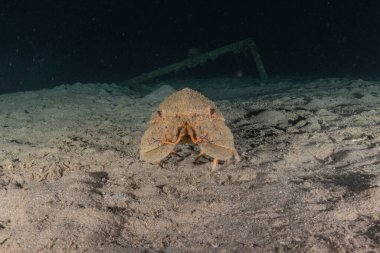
[
  {"x": 212, "y": 111},
  {"x": 159, "y": 114}
]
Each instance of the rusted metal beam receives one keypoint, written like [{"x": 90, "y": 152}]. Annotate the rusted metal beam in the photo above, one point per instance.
[{"x": 202, "y": 58}]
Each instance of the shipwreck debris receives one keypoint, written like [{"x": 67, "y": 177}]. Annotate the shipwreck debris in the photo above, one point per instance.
[{"x": 195, "y": 58}]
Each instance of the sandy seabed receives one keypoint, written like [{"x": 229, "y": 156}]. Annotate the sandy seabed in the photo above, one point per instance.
[{"x": 308, "y": 180}]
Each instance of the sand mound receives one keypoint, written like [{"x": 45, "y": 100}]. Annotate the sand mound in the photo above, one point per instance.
[{"x": 71, "y": 180}]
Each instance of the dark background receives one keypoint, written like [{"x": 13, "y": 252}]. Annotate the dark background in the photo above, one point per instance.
[{"x": 49, "y": 42}]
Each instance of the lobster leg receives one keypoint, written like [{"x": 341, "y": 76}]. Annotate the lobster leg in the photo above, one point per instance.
[
  {"x": 200, "y": 155},
  {"x": 214, "y": 165},
  {"x": 181, "y": 134}
]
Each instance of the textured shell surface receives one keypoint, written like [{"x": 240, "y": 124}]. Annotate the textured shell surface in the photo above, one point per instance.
[{"x": 187, "y": 102}]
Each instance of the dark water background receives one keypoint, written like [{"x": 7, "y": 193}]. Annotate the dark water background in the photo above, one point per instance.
[{"x": 50, "y": 42}]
